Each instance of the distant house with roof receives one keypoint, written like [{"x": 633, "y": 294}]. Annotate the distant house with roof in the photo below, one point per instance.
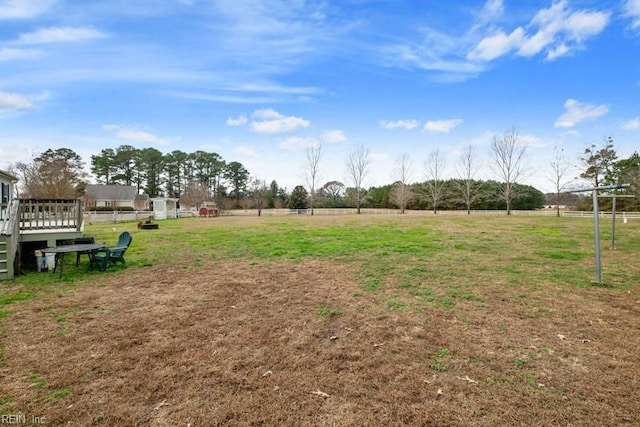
[{"x": 114, "y": 196}]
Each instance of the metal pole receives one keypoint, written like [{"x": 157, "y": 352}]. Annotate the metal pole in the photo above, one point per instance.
[
  {"x": 613, "y": 222},
  {"x": 596, "y": 220},
  {"x": 596, "y": 226}
]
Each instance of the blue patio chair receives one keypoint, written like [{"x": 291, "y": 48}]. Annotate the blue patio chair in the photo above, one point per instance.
[{"x": 102, "y": 257}]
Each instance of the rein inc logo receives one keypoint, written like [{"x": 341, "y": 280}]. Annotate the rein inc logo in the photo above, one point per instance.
[{"x": 21, "y": 419}]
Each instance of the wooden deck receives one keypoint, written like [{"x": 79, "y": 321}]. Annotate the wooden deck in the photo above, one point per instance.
[{"x": 28, "y": 224}]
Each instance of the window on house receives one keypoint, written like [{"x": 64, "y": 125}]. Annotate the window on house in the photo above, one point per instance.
[{"x": 5, "y": 193}]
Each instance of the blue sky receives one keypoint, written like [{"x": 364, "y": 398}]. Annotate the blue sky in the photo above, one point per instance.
[{"x": 258, "y": 81}]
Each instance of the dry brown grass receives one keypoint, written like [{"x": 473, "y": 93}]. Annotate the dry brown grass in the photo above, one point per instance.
[{"x": 236, "y": 343}]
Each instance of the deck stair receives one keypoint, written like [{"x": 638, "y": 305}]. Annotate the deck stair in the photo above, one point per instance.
[{"x": 4, "y": 258}]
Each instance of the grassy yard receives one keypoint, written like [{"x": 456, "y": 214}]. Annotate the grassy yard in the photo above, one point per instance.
[{"x": 354, "y": 320}]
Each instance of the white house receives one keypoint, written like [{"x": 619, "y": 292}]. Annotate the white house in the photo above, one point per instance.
[{"x": 7, "y": 190}]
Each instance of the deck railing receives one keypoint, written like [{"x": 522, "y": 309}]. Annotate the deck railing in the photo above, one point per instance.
[{"x": 50, "y": 214}]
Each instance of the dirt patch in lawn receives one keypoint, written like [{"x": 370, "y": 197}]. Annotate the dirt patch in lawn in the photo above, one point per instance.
[{"x": 235, "y": 343}]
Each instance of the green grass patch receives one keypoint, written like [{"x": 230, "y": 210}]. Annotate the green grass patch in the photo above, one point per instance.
[
  {"x": 395, "y": 305},
  {"x": 58, "y": 394},
  {"x": 460, "y": 250},
  {"x": 440, "y": 359},
  {"x": 568, "y": 255},
  {"x": 6, "y": 405},
  {"x": 37, "y": 380},
  {"x": 328, "y": 311},
  {"x": 11, "y": 298}
]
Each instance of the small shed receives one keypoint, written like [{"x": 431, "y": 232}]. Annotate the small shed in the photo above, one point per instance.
[
  {"x": 165, "y": 208},
  {"x": 208, "y": 208}
]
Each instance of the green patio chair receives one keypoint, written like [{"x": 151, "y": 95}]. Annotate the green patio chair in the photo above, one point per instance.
[
  {"x": 102, "y": 257},
  {"x": 83, "y": 240}
]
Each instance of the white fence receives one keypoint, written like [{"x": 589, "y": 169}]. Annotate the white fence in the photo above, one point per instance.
[
  {"x": 114, "y": 217},
  {"x": 94, "y": 217},
  {"x": 368, "y": 211},
  {"x": 589, "y": 214}
]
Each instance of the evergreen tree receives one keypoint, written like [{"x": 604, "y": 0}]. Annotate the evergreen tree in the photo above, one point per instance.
[
  {"x": 599, "y": 163},
  {"x": 238, "y": 178},
  {"x": 104, "y": 166},
  {"x": 298, "y": 198}
]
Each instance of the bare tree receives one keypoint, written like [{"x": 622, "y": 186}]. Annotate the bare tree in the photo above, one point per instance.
[
  {"x": 357, "y": 165},
  {"x": 434, "y": 167},
  {"x": 259, "y": 191},
  {"x": 508, "y": 162},
  {"x": 401, "y": 192},
  {"x": 559, "y": 168},
  {"x": 314, "y": 153},
  {"x": 470, "y": 188}
]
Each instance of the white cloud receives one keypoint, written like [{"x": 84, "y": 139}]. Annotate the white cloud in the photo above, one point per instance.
[
  {"x": 232, "y": 99},
  {"x": 297, "y": 142},
  {"x": 8, "y": 54},
  {"x": 335, "y": 136},
  {"x": 557, "y": 31},
  {"x": 60, "y": 35},
  {"x": 558, "y": 51},
  {"x": 267, "y": 114},
  {"x": 14, "y": 102},
  {"x": 245, "y": 150},
  {"x": 399, "y": 124},
  {"x": 135, "y": 135},
  {"x": 632, "y": 10},
  {"x": 632, "y": 124},
  {"x": 442, "y": 126},
  {"x": 497, "y": 45},
  {"x": 271, "y": 122},
  {"x": 577, "y": 112},
  {"x": 491, "y": 10},
  {"x": 422, "y": 58},
  {"x": 23, "y": 9},
  {"x": 240, "y": 121},
  {"x": 583, "y": 24},
  {"x": 275, "y": 35},
  {"x": 268, "y": 87},
  {"x": 440, "y": 53},
  {"x": 559, "y": 26}
]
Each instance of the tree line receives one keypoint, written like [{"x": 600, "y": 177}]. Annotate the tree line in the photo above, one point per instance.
[
  {"x": 199, "y": 176},
  {"x": 416, "y": 196}
]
